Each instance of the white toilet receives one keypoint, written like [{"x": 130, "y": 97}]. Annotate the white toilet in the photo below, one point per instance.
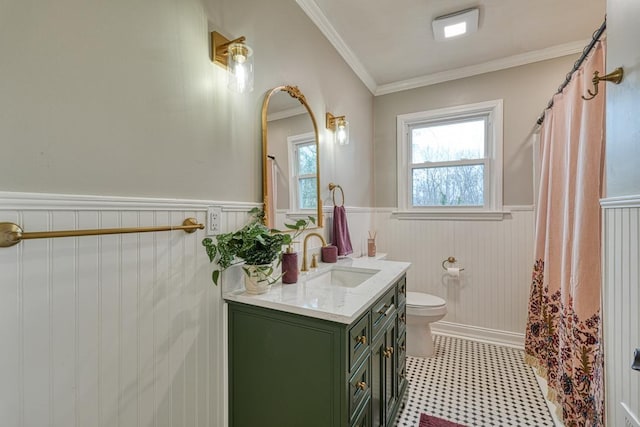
[{"x": 422, "y": 310}]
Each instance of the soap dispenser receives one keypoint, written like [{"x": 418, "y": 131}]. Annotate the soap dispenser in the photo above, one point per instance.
[{"x": 289, "y": 266}]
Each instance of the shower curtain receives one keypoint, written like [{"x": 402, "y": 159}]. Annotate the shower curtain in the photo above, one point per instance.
[{"x": 564, "y": 327}]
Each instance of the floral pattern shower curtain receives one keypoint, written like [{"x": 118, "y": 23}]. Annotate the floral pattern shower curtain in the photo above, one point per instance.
[{"x": 564, "y": 328}]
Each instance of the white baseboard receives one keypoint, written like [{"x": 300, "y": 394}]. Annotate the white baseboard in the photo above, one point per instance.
[
  {"x": 553, "y": 408},
  {"x": 630, "y": 419},
  {"x": 476, "y": 333}
]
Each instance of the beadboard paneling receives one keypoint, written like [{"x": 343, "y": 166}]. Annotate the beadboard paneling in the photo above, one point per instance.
[
  {"x": 621, "y": 319},
  {"x": 118, "y": 330},
  {"x": 492, "y": 292}
]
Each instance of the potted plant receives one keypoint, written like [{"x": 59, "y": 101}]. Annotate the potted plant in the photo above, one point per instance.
[{"x": 256, "y": 245}]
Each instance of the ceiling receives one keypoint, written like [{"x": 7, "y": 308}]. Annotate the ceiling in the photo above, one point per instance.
[{"x": 390, "y": 44}]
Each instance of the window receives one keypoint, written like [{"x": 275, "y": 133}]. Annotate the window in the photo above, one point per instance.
[
  {"x": 450, "y": 160},
  {"x": 303, "y": 164}
]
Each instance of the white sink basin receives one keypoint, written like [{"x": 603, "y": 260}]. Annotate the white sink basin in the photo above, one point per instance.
[{"x": 348, "y": 277}]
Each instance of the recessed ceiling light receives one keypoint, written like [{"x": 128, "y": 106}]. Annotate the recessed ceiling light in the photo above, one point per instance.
[
  {"x": 455, "y": 24},
  {"x": 455, "y": 30}
]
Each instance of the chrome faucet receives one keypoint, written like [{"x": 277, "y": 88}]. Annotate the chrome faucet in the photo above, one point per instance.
[{"x": 304, "y": 249}]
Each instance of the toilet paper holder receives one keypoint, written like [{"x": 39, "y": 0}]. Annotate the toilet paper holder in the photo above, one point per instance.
[{"x": 451, "y": 260}]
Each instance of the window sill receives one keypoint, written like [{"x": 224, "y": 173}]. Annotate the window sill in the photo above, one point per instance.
[
  {"x": 451, "y": 215},
  {"x": 300, "y": 214}
]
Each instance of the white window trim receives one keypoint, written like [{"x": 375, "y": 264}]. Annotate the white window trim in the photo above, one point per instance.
[
  {"x": 493, "y": 208},
  {"x": 292, "y": 142}
]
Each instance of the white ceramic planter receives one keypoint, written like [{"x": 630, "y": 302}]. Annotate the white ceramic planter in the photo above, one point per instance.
[{"x": 256, "y": 278}]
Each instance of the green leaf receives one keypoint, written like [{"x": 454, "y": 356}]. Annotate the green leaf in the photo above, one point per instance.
[
  {"x": 292, "y": 226},
  {"x": 210, "y": 248},
  {"x": 312, "y": 219},
  {"x": 215, "y": 276}
]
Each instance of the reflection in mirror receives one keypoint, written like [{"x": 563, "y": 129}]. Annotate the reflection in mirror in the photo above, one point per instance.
[{"x": 291, "y": 181}]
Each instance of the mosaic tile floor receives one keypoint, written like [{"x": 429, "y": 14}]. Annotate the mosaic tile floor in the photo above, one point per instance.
[{"x": 474, "y": 384}]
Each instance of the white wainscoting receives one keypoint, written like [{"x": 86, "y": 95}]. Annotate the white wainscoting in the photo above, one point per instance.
[
  {"x": 119, "y": 330},
  {"x": 489, "y": 300},
  {"x": 127, "y": 329},
  {"x": 621, "y": 305}
]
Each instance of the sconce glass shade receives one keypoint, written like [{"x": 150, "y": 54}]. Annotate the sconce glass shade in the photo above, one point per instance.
[
  {"x": 240, "y": 68},
  {"x": 342, "y": 131}
]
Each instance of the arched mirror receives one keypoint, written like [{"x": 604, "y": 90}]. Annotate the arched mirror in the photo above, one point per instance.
[{"x": 290, "y": 158}]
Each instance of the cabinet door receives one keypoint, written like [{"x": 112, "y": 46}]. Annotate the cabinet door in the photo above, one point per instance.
[
  {"x": 285, "y": 370},
  {"x": 377, "y": 382},
  {"x": 390, "y": 372},
  {"x": 384, "y": 376}
]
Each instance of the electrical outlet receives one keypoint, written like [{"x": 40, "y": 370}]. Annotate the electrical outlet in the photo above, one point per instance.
[{"x": 214, "y": 217}]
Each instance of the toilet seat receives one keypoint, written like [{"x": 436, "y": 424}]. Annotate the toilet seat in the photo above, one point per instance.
[
  {"x": 419, "y": 299},
  {"x": 425, "y": 305}
]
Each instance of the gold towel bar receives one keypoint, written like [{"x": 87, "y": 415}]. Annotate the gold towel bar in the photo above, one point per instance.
[
  {"x": 333, "y": 187},
  {"x": 11, "y": 234}
]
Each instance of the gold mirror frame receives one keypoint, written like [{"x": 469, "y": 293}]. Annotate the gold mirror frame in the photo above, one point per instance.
[{"x": 294, "y": 92}]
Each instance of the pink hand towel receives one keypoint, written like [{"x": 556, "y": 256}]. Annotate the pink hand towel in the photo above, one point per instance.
[{"x": 341, "y": 237}]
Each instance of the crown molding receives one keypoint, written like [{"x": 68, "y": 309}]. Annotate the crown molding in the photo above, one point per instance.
[
  {"x": 486, "y": 67},
  {"x": 322, "y": 22},
  {"x": 318, "y": 17}
]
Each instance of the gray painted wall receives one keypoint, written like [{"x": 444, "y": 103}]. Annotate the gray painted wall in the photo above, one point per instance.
[
  {"x": 623, "y": 126},
  {"x": 526, "y": 90},
  {"x": 121, "y": 98}
]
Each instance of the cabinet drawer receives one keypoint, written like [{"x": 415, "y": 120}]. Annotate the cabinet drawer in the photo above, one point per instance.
[
  {"x": 359, "y": 338},
  {"x": 402, "y": 290},
  {"x": 383, "y": 310},
  {"x": 402, "y": 319},
  {"x": 363, "y": 417},
  {"x": 359, "y": 387},
  {"x": 402, "y": 348}
]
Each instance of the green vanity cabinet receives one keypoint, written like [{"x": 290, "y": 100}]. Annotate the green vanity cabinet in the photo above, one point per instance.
[{"x": 290, "y": 370}]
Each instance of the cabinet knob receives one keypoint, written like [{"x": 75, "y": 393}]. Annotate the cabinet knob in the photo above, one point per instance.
[
  {"x": 388, "y": 352},
  {"x": 361, "y": 385},
  {"x": 361, "y": 339}
]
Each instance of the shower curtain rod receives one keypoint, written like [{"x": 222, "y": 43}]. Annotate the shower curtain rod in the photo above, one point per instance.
[{"x": 594, "y": 39}]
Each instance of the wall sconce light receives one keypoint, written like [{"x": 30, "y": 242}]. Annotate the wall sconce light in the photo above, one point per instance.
[
  {"x": 340, "y": 127},
  {"x": 237, "y": 58}
]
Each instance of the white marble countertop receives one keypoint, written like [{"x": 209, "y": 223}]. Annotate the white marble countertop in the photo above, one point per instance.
[{"x": 324, "y": 301}]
